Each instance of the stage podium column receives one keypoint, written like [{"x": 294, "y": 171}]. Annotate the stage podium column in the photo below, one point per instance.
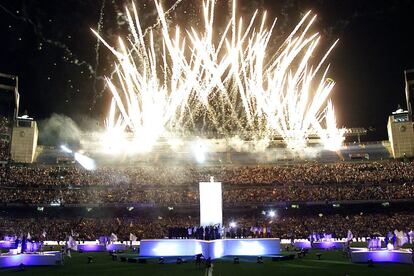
[{"x": 211, "y": 203}]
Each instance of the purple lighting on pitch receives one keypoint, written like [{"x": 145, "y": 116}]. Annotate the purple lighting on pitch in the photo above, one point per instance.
[
  {"x": 7, "y": 244},
  {"x": 303, "y": 244},
  {"x": 89, "y": 247},
  {"x": 328, "y": 245},
  {"x": 100, "y": 247},
  {"x": 115, "y": 247},
  {"x": 33, "y": 247}
]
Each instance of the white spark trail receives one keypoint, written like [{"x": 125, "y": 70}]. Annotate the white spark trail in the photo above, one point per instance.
[{"x": 228, "y": 83}]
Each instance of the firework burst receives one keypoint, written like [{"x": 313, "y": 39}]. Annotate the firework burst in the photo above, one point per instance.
[{"x": 201, "y": 82}]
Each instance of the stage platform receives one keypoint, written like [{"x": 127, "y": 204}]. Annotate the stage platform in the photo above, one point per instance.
[
  {"x": 328, "y": 245},
  {"x": 306, "y": 244},
  {"x": 302, "y": 244},
  {"x": 35, "y": 259},
  {"x": 214, "y": 249},
  {"x": 91, "y": 247},
  {"x": 97, "y": 247},
  {"x": 116, "y": 247},
  {"x": 362, "y": 255}
]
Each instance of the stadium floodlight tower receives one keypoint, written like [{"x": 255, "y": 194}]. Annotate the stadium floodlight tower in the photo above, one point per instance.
[
  {"x": 409, "y": 90},
  {"x": 400, "y": 123},
  {"x": 211, "y": 203},
  {"x": 21, "y": 132}
]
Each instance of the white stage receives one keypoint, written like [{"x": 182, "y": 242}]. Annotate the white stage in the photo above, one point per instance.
[
  {"x": 45, "y": 258},
  {"x": 362, "y": 255},
  {"x": 214, "y": 249}
]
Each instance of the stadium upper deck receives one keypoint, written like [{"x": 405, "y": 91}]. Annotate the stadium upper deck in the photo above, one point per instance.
[{"x": 200, "y": 155}]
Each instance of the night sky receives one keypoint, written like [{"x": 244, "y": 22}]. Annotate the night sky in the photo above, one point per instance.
[{"x": 49, "y": 45}]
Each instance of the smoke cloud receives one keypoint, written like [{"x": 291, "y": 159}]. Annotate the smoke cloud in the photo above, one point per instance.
[{"x": 59, "y": 129}]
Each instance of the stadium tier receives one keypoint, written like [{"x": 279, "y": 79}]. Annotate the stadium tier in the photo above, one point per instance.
[{"x": 206, "y": 142}]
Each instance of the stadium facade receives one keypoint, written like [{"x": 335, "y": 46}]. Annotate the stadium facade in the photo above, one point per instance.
[{"x": 20, "y": 133}]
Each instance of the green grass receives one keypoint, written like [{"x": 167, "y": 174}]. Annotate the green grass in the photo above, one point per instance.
[{"x": 331, "y": 263}]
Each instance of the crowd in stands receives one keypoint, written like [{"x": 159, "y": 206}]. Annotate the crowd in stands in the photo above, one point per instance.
[
  {"x": 4, "y": 139},
  {"x": 173, "y": 185},
  {"x": 169, "y": 196},
  {"x": 361, "y": 225},
  {"x": 169, "y": 186},
  {"x": 394, "y": 172}
]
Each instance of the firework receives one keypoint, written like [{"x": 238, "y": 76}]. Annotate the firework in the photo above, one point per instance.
[{"x": 200, "y": 82}]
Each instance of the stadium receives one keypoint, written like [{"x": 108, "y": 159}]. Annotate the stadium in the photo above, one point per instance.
[{"x": 216, "y": 154}]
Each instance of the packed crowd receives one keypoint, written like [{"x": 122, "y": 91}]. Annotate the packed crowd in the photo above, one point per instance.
[
  {"x": 175, "y": 185},
  {"x": 361, "y": 225},
  {"x": 4, "y": 139},
  {"x": 182, "y": 196},
  {"x": 394, "y": 172},
  {"x": 169, "y": 186}
]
